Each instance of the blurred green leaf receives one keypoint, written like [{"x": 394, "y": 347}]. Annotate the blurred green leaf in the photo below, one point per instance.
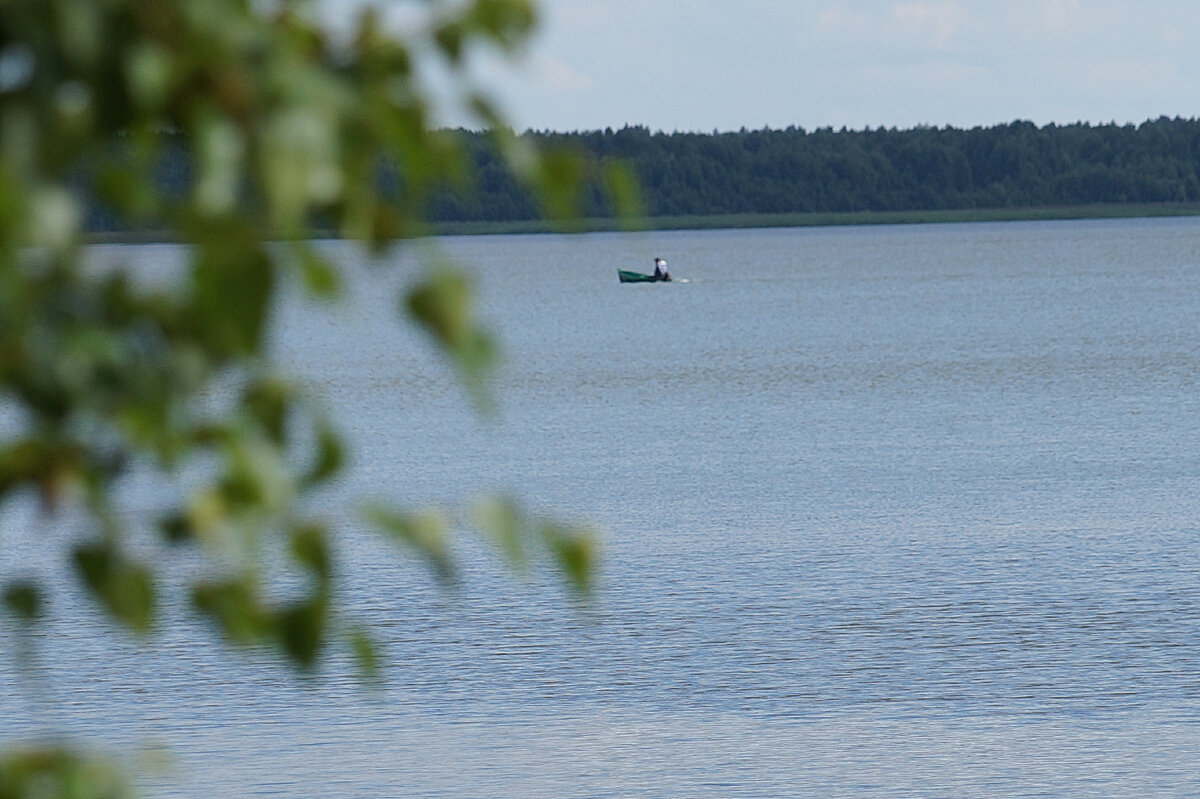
[
  {"x": 234, "y": 128},
  {"x": 124, "y": 588},
  {"x": 149, "y": 70},
  {"x": 260, "y": 478},
  {"x": 232, "y": 284},
  {"x": 234, "y": 606},
  {"x": 623, "y": 189},
  {"x": 329, "y": 459},
  {"x": 302, "y": 629},
  {"x": 450, "y": 37},
  {"x": 574, "y": 550},
  {"x": 503, "y": 522},
  {"x": 127, "y": 191},
  {"x": 560, "y": 184},
  {"x": 269, "y": 402},
  {"x": 220, "y": 165},
  {"x": 320, "y": 277},
  {"x": 442, "y": 304},
  {"x": 55, "y": 218},
  {"x": 426, "y": 532},
  {"x": 506, "y": 22},
  {"x": 176, "y": 528},
  {"x": 515, "y": 532},
  {"x": 59, "y": 773},
  {"x": 366, "y": 654},
  {"x": 24, "y": 600},
  {"x": 486, "y": 112},
  {"x": 311, "y": 549},
  {"x": 35, "y": 461},
  {"x": 300, "y": 159}
]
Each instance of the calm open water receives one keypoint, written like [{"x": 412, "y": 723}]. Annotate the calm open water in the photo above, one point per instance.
[{"x": 904, "y": 511}]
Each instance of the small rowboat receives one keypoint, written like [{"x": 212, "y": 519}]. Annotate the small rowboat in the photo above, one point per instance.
[{"x": 638, "y": 277}]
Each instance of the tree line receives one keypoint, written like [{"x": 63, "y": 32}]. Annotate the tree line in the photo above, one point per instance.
[{"x": 797, "y": 171}]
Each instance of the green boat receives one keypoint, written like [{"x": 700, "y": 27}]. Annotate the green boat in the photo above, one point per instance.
[{"x": 638, "y": 277}]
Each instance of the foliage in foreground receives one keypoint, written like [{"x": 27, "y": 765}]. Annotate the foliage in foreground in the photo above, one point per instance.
[{"x": 282, "y": 123}]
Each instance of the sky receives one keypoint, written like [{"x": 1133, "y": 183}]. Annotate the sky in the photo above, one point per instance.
[{"x": 704, "y": 65}]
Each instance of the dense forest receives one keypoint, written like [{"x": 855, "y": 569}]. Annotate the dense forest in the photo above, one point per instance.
[
  {"x": 797, "y": 171},
  {"x": 825, "y": 171}
]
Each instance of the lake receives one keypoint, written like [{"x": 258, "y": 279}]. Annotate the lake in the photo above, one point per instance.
[{"x": 901, "y": 511}]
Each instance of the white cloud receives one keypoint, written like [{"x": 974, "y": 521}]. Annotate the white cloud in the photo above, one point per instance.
[
  {"x": 1061, "y": 16},
  {"x": 583, "y": 14},
  {"x": 1126, "y": 75},
  {"x": 916, "y": 22},
  {"x": 704, "y": 64},
  {"x": 556, "y": 75},
  {"x": 935, "y": 21},
  {"x": 930, "y": 76},
  {"x": 837, "y": 18}
]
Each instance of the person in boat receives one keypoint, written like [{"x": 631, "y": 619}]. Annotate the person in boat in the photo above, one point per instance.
[{"x": 660, "y": 269}]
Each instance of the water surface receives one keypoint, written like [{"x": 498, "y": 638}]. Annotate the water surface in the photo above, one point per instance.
[{"x": 901, "y": 511}]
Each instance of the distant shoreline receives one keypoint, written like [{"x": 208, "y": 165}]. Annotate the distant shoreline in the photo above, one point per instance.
[
  {"x": 748, "y": 221},
  {"x": 839, "y": 219}
]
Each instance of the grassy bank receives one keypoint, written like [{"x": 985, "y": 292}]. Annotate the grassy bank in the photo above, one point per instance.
[{"x": 1107, "y": 211}]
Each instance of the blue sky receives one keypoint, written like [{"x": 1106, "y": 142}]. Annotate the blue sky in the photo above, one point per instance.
[{"x": 725, "y": 64}]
